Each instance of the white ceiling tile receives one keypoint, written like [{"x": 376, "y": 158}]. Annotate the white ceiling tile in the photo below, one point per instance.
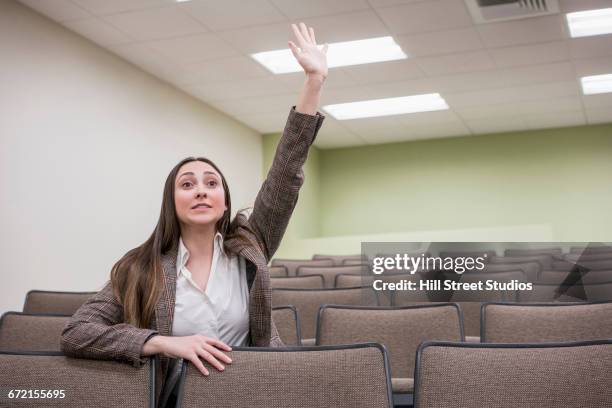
[
  {"x": 433, "y": 15},
  {"x": 497, "y": 125},
  {"x": 260, "y": 38},
  {"x": 488, "y": 110},
  {"x": 251, "y": 106},
  {"x": 228, "y": 69},
  {"x": 420, "y": 119},
  {"x": 551, "y": 106},
  {"x": 593, "y": 66},
  {"x": 456, "y": 63},
  {"x": 98, "y": 7},
  {"x": 598, "y": 101},
  {"x": 384, "y": 71},
  {"x": 556, "y": 120},
  {"x": 466, "y": 81},
  {"x": 347, "y": 27},
  {"x": 556, "y": 72},
  {"x": 231, "y": 14},
  {"x": 508, "y": 95},
  {"x": 439, "y": 130},
  {"x": 295, "y": 9},
  {"x": 58, "y": 10},
  {"x": 138, "y": 54},
  {"x": 193, "y": 48},
  {"x": 98, "y": 31},
  {"x": 157, "y": 23},
  {"x": 246, "y": 88},
  {"x": 530, "y": 54},
  {"x": 440, "y": 42},
  {"x": 376, "y": 130},
  {"x": 333, "y": 135},
  {"x": 568, "y": 6},
  {"x": 272, "y": 122},
  {"x": 600, "y": 115},
  {"x": 517, "y": 32},
  {"x": 590, "y": 47},
  {"x": 387, "y": 3}
]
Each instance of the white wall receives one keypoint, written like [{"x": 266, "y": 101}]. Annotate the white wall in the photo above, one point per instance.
[{"x": 87, "y": 141}]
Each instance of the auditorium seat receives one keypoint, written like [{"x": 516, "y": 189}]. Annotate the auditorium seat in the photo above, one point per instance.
[
  {"x": 604, "y": 256},
  {"x": 52, "y": 302},
  {"x": 464, "y": 375},
  {"x": 567, "y": 277},
  {"x": 591, "y": 249},
  {"x": 544, "y": 260},
  {"x": 31, "y": 332},
  {"x": 329, "y": 273},
  {"x": 340, "y": 260},
  {"x": 288, "y": 325},
  {"x": 298, "y": 282},
  {"x": 307, "y": 302},
  {"x": 536, "y": 323},
  {"x": 399, "y": 329},
  {"x": 554, "y": 252},
  {"x": 292, "y": 264},
  {"x": 582, "y": 265},
  {"x": 578, "y": 292},
  {"x": 531, "y": 269},
  {"x": 278, "y": 271},
  {"x": 85, "y": 383},
  {"x": 486, "y": 254},
  {"x": 348, "y": 376}
]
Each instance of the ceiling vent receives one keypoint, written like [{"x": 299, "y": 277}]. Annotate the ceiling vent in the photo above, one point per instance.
[{"x": 489, "y": 11}]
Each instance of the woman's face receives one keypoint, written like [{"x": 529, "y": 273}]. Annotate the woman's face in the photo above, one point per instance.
[{"x": 198, "y": 194}]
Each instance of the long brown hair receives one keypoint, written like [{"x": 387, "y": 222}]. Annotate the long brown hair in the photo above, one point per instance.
[{"x": 137, "y": 278}]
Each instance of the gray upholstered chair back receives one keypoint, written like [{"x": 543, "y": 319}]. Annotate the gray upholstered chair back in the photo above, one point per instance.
[
  {"x": 278, "y": 271},
  {"x": 464, "y": 375},
  {"x": 556, "y": 251},
  {"x": 58, "y": 303},
  {"x": 399, "y": 329},
  {"x": 567, "y": 277},
  {"x": 298, "y": 282},
  {"x": 591, "y": 250},
  {"x": 350, "y": 376},
  {"x": 329, "y": 273},
  {"x": 340, "y": 260},
  {"x": 531, "y": 269},
  {"x": 293, "y": 264},
  {"x": 288, "y": 325},
  {"x": 31, "y": 332},
  {"x": 544, "y": 260},
  {"x": 85, "y": 383},
  {"x": 537, "y": 323},
  {"x": 307, "y": 302}
]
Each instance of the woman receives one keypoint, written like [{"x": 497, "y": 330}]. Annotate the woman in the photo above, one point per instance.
[{"x": 199, "y": 281}]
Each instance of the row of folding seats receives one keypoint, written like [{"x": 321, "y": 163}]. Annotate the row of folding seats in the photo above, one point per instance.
[{"x": 402, "y": 329}]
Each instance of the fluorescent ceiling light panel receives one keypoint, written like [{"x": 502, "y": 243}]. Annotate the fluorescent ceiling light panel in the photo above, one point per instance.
[
  {"x": 590, "y": 22},
  {"x": 339, "y": 54},
  {"x": 387, "y": 106},
  {"x": 596, "y": 84}
]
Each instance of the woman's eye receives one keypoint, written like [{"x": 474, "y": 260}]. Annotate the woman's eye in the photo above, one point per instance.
[
  {"x": 186, "y": 184},
  {"x": 212, "y": 183}
]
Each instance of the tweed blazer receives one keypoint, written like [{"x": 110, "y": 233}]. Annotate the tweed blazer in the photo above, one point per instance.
[{"x": 97, "y": 329}]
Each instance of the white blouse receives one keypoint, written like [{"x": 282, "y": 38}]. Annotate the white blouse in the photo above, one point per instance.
[{"x": 222, "y": 310}]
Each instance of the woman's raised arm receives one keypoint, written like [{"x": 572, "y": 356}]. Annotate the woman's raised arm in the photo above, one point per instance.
[{"x": 279, "y": 193}]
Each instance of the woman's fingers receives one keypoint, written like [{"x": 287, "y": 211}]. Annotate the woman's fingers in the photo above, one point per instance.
[
  {"x": 195, "y": 360},
  {"x": 206, "y": 355},
  {"x": 305, "y": 34},
  {"x": 294, "y": 49},
  {"x": 325, "y": 47},
  {"x": 312, "y": 36},
  {"x": 218, "y": 353},
  {"x": 298, "y": 36},
  {"x": 219, "y": 343}
]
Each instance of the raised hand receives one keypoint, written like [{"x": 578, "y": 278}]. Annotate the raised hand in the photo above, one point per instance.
[{"x": 307, "y": 53}]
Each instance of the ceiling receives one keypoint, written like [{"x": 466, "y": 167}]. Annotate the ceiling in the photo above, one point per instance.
[{"x": 496, "y": 77}]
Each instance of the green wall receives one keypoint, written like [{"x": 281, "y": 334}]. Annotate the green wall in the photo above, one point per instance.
[{"x": 546, "y": 185}]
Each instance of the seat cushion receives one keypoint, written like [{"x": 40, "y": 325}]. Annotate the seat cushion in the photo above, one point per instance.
[{"x": 402, "y": 384}]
